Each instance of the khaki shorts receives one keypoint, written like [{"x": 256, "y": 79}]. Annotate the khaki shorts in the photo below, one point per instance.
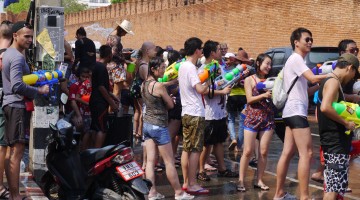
[{"x": 193, "y": 133}]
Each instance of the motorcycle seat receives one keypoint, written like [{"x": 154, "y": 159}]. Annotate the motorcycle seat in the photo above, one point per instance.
[{"x": 91, "y": 156}]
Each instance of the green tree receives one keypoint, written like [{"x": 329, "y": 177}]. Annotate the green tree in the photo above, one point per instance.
[
  {"x": 72, "y": 6},
  {"x": 16, "y": 8},
  {"x": 117, "y": 1}
]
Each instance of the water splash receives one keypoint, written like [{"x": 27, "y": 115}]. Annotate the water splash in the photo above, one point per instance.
[{"x": 95, "y": 31}]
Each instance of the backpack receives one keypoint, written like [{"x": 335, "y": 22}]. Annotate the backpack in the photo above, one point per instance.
[{"x": 279, "y": 96}]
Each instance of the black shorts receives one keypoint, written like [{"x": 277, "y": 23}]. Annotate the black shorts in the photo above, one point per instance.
[
  {"x": 126, "y": 99},
  {"x": 235, "y": 103},
  {"x": 99, "y": 117},
  {"x": 215, "y": 131},
  {"x": 296, "y": 122},
  {"x": 17, "y": 124}
]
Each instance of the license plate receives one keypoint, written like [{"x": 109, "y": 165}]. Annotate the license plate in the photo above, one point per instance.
[{"x": 130, "y": 170}]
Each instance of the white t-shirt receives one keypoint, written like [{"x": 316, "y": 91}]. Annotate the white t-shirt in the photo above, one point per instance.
[
  {"x": 215, "y": 108},
  {"x": 297, "y": 102},
  {"x": 191, "y": 101}
]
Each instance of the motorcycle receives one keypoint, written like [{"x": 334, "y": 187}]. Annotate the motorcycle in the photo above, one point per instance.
[
  {"x": 65, "y": 178},
  {"x": 117, "y": 170},
  {"x": 105, "y": 173}
]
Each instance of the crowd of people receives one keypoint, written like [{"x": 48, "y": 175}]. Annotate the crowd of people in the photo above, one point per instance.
[{"x": 186, "y": 109}]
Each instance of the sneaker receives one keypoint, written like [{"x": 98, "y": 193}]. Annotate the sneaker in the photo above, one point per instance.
[
  {"x": 203, "y": 176},
  {"x": 228, "y": 173},
  {"x": 287, "y": 196}
]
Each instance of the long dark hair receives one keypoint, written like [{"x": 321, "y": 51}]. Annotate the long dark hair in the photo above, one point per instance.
[
  {"x": 155, "y": 63},
  {"x": 259, "y": 60}
]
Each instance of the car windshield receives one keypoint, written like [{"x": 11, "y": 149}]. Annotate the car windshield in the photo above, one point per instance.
[{"x": 321, "y": 55}]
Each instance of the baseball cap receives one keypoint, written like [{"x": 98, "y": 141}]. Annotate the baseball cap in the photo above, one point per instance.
[
  {"x": 353, "y": 60},
  {"x": 19, "y": 25},
  {"x": 228, "y": 55},
  {"x": 350, "y": 58}
]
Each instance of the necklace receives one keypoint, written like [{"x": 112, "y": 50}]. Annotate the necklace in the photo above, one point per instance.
[{"x": 337, "y": 78}]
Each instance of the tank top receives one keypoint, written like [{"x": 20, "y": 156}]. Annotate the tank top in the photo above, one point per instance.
[
  {"x": 259, "y": 115},
  {"x": 156, "y": 112},
  {"x": 332, "y": 134}
]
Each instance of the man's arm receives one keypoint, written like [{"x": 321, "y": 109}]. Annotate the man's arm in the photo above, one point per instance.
[
  {"x": 108, "y": 98},
  {"x": 330, "y": 94},
  {"x": 18, "y": 86},
  {"x": 313, "y": 78}
]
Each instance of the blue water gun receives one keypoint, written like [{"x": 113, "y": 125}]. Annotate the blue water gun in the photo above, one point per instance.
[{"x": 326, "y": 68}]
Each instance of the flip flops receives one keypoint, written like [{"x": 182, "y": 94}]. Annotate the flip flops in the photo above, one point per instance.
[
  {"x": 201, "y": 191},
  {"x": 262, "y": 187},
  {"x": 209, "y": 168},
  {"x": 5, "y": 194}
]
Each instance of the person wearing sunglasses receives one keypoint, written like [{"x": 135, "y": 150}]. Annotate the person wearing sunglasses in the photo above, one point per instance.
[
  {"x": 297, "y": 133},
  {"x": 15, "y": 95}
]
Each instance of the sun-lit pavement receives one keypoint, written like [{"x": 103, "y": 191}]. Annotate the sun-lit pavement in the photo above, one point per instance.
[{"x": 225, "y": 188}]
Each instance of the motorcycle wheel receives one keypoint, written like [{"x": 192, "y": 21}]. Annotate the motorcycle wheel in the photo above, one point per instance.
[
  {"x": 51, "y": 189},
  {"x": 123, "y": 189}
]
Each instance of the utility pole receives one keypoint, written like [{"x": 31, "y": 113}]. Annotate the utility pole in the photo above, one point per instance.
[{"x": 49, "y": 19}]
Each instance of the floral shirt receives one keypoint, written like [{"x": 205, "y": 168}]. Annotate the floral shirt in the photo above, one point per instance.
[{"x": 85, "y": 89}]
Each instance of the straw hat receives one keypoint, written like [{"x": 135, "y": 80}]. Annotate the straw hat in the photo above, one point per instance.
[{"x": 127, "y": 26}]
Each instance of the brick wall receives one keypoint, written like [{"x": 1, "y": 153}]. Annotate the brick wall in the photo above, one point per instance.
[{"x": 253, "y": 25}]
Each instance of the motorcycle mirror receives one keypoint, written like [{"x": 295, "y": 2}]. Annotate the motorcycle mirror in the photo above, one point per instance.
[
  {"x": 62, "y": 124},
  {"x": 63, "y": 98},
  {"x": 53, "y": 128}
]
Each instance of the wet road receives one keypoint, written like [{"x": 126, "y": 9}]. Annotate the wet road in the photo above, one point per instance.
[{"x": 225, "y": 188}]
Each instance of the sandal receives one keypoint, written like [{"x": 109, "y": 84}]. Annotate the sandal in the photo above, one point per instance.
[
  {"x": 240, "y": 188},
  {"x": 262, "y": 187},
  {"x": 209, "y": 168},
  {"x": 228, "y": 173},
  {"x": 203, "y": 176},
  {"x": 5, "y": 194}
]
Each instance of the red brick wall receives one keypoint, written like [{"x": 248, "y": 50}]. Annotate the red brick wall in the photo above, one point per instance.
[{"x": 253, "y": 25}]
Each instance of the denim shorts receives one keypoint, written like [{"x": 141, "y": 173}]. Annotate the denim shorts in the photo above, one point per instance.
[{"x": 159, "y": 134}]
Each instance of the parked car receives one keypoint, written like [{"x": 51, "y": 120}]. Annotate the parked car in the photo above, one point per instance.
[{"x": 317, "y": 55}]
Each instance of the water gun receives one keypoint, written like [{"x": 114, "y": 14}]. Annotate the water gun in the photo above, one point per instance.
[
  {"x": 86, "y": 98},
  {"x": 209, "y": 71},
  {"x": 42, "y": 77},
  {"x": 171, "y": 71},
  {"x": 348, "y": 111},
  {"x": 229, "y": 78},
  {"x": 326, "y": 68},
  {"x": 266, "y": 84}
]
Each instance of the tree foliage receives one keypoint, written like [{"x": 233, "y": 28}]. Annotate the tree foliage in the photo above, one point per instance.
[
  {"x": 72, "y": 6},
  {"x": 117, "y": 1},
  {"x": 16, "y": 8}
]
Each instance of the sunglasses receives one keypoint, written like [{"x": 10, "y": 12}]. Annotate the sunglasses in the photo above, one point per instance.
[
  {"x": 7, "y": 22},
  {"x": 27, "y": 25},
  {"x": 308, "y": 39},
  {"x": 354, "y": 50}
]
